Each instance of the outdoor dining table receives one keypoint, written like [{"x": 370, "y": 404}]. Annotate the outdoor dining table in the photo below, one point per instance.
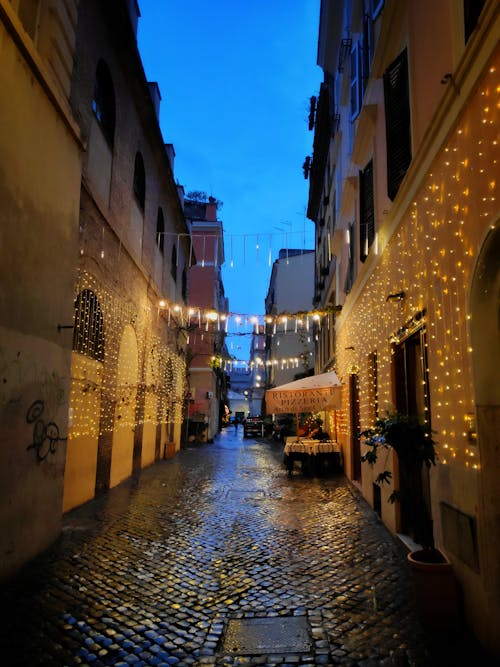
[{"x": 314, "y": 455}]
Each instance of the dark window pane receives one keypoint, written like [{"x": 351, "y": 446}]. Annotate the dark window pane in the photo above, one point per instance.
[
  {"x": 160, "y": 230},
  {"x": 472, "y": 11},
  {"x": 366, "y": 211},
  {"x": 88, "y": 333},
  {"x": 103, "y": 103},
  {"x": 184, "y": 284},
  {"x": 140, "y": 181},
  {"x": 173, "y": 266}
]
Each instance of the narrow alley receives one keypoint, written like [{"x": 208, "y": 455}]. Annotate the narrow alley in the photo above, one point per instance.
[{"x": 217, "y": 557}]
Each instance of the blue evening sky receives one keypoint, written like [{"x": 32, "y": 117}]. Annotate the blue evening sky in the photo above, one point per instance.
[{"x": 235, "y": 80}]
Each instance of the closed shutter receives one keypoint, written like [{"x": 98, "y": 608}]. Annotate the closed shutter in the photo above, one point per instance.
[
  {"x": 366, "y": 211},
  {"x": 397, "y": 122}
]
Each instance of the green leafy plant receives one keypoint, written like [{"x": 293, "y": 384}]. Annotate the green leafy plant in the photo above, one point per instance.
[{"x": 413, "y": 442}]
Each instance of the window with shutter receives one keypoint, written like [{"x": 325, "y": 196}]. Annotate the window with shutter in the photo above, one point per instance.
[
  {"x": 366, "y": 211},
  {"x": 397, "y": 122}
]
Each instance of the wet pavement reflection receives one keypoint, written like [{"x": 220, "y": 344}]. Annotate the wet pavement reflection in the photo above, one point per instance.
[{"x": 170, "y": 567}]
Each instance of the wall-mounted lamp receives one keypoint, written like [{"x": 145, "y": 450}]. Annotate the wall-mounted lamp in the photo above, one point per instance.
[{"x": 397, "y": 296}]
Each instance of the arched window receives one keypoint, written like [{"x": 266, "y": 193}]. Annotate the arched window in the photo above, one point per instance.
[
  {"x": 103, "y": 103},
  {"x": 184, "y": 284},
  {"x": 88, "y": 333},
  {"x": 173, "y": 266},
  {"x": 160, "y": 230},
  {"x": 139, "y": 181}
]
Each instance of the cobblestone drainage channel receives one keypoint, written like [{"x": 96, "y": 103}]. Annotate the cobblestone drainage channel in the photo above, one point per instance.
[{"x": 263, "y": 636}]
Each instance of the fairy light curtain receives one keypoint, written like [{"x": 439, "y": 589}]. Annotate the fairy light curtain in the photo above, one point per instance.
[{"x": 165, "y": 377}]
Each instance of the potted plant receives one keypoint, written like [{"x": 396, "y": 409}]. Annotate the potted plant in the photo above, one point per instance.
[{"x": 412, "y": 441}]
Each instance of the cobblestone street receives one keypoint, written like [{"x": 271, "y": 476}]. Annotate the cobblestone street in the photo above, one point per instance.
[{"x": 218, "y": 558}]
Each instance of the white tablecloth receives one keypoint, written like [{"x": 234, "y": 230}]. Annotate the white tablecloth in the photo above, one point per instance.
[{"x": 310, "y": 447}]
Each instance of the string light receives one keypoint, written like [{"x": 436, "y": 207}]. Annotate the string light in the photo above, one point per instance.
[
  {"x": 278, "y": 322},
  {"x": 431, "y": 257},
  {"x": 105, "y": 394}
]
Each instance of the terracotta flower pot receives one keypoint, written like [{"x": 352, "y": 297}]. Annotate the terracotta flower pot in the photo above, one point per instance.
[
  {"x": 436, "y": 590},
  {"x": 169, "y": 450}
]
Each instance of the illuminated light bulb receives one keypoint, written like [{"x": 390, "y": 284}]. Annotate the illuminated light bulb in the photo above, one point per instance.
[{"x": 162, "y": 303}]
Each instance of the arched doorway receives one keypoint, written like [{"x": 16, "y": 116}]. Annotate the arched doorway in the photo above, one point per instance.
[
  {"x": 84, "y": 401},
  {"x": 485, "y": 338},
  {"x": 126, "y": 398}
]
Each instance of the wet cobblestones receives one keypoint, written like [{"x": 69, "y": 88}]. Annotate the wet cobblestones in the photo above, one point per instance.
[{"x": 151, "y": 573}]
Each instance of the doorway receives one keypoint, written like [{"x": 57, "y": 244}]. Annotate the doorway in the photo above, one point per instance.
[{"x": 411, "y": 397}]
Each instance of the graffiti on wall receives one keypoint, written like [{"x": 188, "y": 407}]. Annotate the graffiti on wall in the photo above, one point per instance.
[
  {"x": 20, "y": 378},
  {"x": 45, "y": 434}
]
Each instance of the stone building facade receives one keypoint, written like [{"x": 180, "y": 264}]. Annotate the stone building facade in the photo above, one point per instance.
[
  {"x": 128, "y": 365},
  {"x": 40, "y": 165},
  {"x": 94, "y": 270},
  {"x": 207, "y": 379},
  {"x": 403, "y": 191},
  {"x": 290, "y": 352}
]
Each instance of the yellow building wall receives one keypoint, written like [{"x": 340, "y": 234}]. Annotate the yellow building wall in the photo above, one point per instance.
[
  {"x": 40, "y": 170},
  {"x": 84, "y": 410},
  {"x": 125, "y": 418},
  {"x": 431, "y": 257}
]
